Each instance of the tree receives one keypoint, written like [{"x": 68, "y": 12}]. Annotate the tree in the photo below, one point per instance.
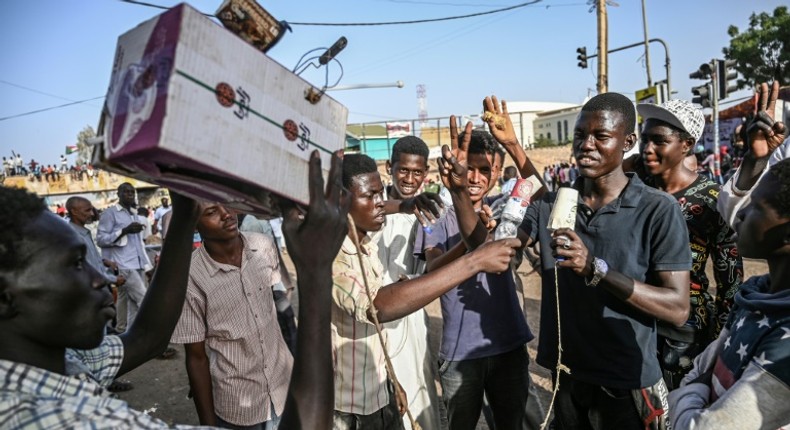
[
  {"x": 762, "y": 52},
  {"x": 84, "y": 149}
]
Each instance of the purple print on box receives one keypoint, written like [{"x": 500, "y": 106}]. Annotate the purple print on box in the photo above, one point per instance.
[{"x": 137, "y": 109}]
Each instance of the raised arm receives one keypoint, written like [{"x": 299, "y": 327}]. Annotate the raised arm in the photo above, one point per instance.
[
  {"x": 764, "y": 135},
  {"x": 149, "y": 334},
  {"x": 501, "y": 127},
  {"x": 314, "y": 238},
  {"x": 453, "y": 171}
]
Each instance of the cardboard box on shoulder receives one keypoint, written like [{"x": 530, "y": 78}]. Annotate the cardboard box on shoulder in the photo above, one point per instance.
[{"x": 194, "y": 108}]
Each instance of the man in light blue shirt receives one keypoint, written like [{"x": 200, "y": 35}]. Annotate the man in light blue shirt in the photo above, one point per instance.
[{"x": 121, "y": 239}]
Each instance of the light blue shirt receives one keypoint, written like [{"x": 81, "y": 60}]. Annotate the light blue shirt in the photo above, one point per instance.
[
  {"x": 128, "y": 251},
  {"x": 92, "y": 254}
]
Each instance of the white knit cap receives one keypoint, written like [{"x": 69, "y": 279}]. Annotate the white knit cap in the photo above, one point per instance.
[{"x": 680, "y": 113}]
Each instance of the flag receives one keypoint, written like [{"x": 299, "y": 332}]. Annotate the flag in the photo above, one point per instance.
[{"x": 71, "y": 148}]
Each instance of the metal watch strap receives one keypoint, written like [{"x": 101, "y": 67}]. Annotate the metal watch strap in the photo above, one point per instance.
[{"x": 599, "y": 271}]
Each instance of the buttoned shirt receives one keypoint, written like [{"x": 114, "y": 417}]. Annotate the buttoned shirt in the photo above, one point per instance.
[
  {"x": 92, "y": 253},
  {"x": 34, "y": 398},
  {"x": 360, "y": 374},
  {"x": 128, "y": 251},
  {"x": 232, "y": 309}
]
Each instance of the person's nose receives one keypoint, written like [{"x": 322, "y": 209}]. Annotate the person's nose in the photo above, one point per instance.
[{"x": 474, "y": 176}]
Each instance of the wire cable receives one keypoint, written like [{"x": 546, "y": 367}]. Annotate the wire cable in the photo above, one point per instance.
[
  {"x": 360, "y": 24},
  {"x": 50, "y": 108},
  {"x": 416, "y": 21}
]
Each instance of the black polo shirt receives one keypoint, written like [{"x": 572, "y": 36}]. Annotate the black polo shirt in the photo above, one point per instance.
[{"x": 604, "y": 340}]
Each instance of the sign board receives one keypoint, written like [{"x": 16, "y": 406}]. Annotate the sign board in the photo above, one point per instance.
[{"x": 194, "y": 108}]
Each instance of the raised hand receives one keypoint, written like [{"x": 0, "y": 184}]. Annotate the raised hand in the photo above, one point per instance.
[
  {"x": 452, "y": 165},
  {"x": 498, "y": 120},
  {"x": 765, "y": 134},
  {"x": 314, "y": 236}
]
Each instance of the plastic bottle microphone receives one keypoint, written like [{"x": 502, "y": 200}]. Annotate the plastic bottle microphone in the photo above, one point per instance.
[
  {"x": 515, "y": 208},
  {"x": 563, "y": 214}
]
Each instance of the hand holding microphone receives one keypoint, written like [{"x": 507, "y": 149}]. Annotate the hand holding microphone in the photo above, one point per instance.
[{"x": 562, "y": 220}]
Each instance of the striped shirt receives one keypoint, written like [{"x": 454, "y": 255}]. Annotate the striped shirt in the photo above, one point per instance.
[
  {"x": 360, "y": 374},
  {"x": 232, "y": 310},
  {"x": 34, "y": 398}
]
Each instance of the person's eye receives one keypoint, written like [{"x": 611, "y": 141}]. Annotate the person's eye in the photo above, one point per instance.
[{"x": 79, "y": 263}]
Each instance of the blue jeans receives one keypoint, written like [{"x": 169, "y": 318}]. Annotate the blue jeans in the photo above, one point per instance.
[{"x": 503, "y": 378}]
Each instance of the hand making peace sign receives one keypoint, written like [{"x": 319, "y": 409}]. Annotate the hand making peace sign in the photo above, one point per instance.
[
  {"x": 765, "y": 134},
  {"x": 452, "y": 165}
]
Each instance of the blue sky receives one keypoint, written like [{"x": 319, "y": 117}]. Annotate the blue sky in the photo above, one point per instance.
[{"x": 63, "y": 50}]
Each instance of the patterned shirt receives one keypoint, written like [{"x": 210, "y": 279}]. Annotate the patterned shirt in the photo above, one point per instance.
[
  {"x": 709, "y": 236},
  {"x": 34, "y": 398},
  {"x": 360, "y": 374},
  {"x": 232, "y": 309}
]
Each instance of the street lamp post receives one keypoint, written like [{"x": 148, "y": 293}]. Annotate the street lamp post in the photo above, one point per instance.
[{"x": 396, "y": 84}]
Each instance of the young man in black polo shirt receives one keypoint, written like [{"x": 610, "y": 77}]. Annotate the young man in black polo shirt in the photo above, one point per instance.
[{"x": 625, "y": 266}]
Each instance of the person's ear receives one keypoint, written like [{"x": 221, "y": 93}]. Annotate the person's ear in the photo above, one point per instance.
[
  {"x": 687, "y": 146},
  {"x": 630, "y": 141}
]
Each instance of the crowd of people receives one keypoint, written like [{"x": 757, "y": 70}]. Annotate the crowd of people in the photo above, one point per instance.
[
  {"x": 14, "y": 165},
  {"x": 630, "y": 328}
]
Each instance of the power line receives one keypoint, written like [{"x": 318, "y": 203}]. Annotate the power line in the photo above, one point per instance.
[
  {"x": 34, "y": 90},
  {"x": 360, "y": 24},
  {"x": 417, "y": 21},
  {"x": 50, "y": 108}
]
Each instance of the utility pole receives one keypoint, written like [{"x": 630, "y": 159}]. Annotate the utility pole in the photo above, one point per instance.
[
  {"x": 647, "y": 47},
  {"x": 716, "y": 153},
  {"x": 603, "y": 47}
]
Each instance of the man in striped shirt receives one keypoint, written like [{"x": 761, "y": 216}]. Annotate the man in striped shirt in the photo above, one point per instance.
[
  {"x": 236, "y": 358},
  {"x": 362, "y": 394}
]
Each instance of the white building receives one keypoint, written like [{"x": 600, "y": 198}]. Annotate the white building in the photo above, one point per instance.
[
  {"x": 524, "y": 114},
  {"x": 556, "y": 125}
]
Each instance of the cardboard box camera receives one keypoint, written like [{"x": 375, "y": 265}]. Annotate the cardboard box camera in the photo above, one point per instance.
[{"x": 194, "y": 108}]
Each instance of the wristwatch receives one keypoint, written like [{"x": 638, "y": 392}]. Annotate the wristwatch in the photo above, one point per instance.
[{"x": 600, "y": 268}]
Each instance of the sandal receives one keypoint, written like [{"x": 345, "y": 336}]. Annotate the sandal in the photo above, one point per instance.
[
  {"x": 168, "y": 354},
  {"x": 118, "y": 386}
]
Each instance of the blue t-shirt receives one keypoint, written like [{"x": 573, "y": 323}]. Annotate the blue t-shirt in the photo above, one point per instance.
[{"x": 482, "y": 316}]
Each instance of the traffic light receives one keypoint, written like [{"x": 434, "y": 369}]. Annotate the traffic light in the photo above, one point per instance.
[
  {"x": 702, "y": 95},
  {"x": 582, "y": 57},
  {"x": 726, "y": 73},
  {"x": 702, "y": 73}
]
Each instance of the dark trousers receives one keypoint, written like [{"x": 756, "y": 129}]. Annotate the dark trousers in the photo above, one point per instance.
[
  {"x": 584, "y": 406},
  {"x": 503, "y": 378},
  {"x": 386, "y": 418}
]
